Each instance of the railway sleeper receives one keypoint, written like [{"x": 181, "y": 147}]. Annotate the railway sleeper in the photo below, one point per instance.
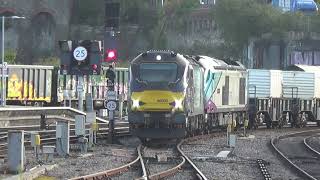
[{"x": 262, "y": 166}]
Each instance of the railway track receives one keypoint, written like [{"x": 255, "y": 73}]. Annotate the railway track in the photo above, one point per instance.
[
  {"x": 26, "y": 119},
  {"x": 161, "y": 162},
  {"x": 313, "y": 143},
  {"x": 116, "y": 171},
  {"x": 48, "y": 137},
  {"x": 294, "y": 149},
  {"x": 14, "y": 112},
  {"x": 155, "y": 163}
]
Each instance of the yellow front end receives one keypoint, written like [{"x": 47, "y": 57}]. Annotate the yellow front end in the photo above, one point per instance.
[{"x": 157, "y": 101}]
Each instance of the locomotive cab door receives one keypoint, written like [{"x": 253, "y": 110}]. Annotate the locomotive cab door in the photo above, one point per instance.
[{"x": 190, "y": 91}]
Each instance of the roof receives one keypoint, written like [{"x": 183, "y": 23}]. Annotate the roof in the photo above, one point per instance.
[
  {"x": 306, "y": 68},
  {"x": 220, "y": 64}
]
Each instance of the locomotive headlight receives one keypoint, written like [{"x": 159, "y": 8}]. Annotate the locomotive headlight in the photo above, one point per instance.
[
  {"x": 135, "y": 103},
  {"x": 178, "y": 104}
]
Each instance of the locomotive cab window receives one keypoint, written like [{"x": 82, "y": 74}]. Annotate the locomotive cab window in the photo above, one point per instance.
[{"x": 158, "y": 72}]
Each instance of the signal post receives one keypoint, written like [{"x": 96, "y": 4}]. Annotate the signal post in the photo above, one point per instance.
[
  {"x": 112, "y": 21},
  {"x": 111, "y": 105},
  {"x": 80, "y": 58}
]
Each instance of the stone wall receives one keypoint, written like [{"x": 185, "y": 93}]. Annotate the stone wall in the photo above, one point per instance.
[{"x": 46, "y": 22}]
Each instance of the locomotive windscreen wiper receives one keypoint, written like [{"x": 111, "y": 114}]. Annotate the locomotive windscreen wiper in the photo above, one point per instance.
[
  {"x": 173, "y": 83},
  {"x": 141, "y": 81}
]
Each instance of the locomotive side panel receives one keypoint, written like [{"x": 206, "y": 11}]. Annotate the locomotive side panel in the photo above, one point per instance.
[
  {"x": 198, "y": 90},
  {"x": 230, "y": 92}
]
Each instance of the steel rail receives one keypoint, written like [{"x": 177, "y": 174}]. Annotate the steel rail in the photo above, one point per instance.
[
  {"x": 30, "y": 118},
  {"x": 111, "y": 172},
  {"x": 273, "y": 144},
  {"x": 305, "y": 141},
  {"x": 14, "y": 109},
  {"x": 168, "y": 172},
  {"x": 200, "y": 175},
  {"x": 143, "y": 167},
  {"x": 72, "y": 131},
  {"x": 3, "y": 130},
  {"x": 49, "y": 140}
]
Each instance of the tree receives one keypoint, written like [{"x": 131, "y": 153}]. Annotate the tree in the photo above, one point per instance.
[
  {"x": 174, "y": 13},
  {"x": 153, "y": 23},
  {"x": 240, "y": 20}
]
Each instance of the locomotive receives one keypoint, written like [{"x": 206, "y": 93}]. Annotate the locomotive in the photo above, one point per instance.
[{"x": 172, "y": 95}]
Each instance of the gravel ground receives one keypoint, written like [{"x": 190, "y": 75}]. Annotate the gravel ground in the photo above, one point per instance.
[
  {"x": 155, "y": 167},
  {"x": 183, "y": 175},
  {"x": 295, "y": 150},
  {"x": 102, "y": 157},
  {"x": 241, "y": 164}
]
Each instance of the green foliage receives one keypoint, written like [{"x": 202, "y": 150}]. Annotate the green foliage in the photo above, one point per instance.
[
  {"x": 10, "y": 56},
  {"x": 153, "y": 23},
  {"x": 240, "y": 20},
  {"x": 173, "y": 16},
  {"x": 138, "y": 12},
  {"x": 48, "y": 61}
]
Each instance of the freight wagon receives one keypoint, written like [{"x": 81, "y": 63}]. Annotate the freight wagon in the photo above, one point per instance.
[
  {"x": 95, "y": 84},
  {"x": 278, "y": 97},
  {"x": 28, "y": 84},
  {"x": 43, "y": 85}
]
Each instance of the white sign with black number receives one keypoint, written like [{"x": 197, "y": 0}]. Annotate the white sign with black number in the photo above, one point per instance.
[
  {"x": 111, "y": 105},
  {"x": 80, "y": 53}
]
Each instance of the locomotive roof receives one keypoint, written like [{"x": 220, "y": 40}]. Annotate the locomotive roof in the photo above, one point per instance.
[
  {"x": 209, "y": 62},
  {"x": 159, "y": 56},
  {"x": 302, "y": 67}
]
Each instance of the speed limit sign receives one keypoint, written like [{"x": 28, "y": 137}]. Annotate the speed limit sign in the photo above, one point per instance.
[
  {"x": 80, "y": 53},
  {"x": 111, "y": 105}
]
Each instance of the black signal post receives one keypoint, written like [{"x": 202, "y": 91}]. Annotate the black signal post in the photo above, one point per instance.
[
  {"x": 80, "y": 57},
  {"x": 112, "y": 23}
]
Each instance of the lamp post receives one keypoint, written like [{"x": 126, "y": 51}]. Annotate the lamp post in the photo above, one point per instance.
[{"x": 3, "y": 94}]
